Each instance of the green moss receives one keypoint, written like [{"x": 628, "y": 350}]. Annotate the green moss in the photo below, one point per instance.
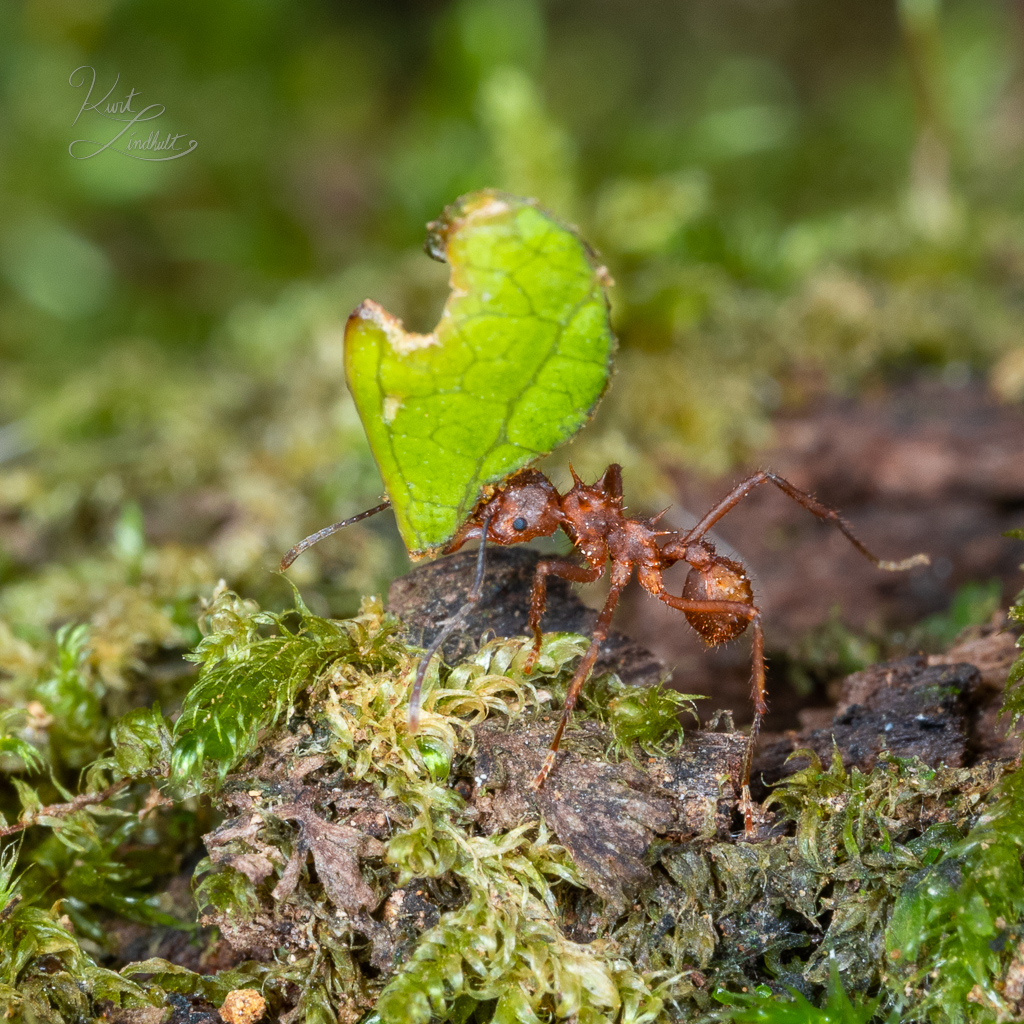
[
  {"x": 72, "y": 696},
  {"x": 763, "y": 1006},
  {"x": 973, "y": 604},
  {"x": 44, "y": 972},
  {"x": 14, "y": 747},
  {"x": 506, "y": 947},
  {"x": 648, "y": 716},
  {"x": 294, "y": 714},
  {"x": 247, "y": 681},
  {"x": 357, "y": 675},
  {"x": 956, "y": 925}
]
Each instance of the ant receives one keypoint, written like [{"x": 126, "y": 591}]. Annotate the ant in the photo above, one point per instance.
[{"x": 717, "y": 598}]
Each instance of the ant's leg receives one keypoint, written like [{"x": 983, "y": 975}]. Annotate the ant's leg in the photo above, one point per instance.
[
  {"x": 815, "y": 507},
  {"x": 758, "y": 690},
  {"x": 727, "y": 504},
  {"x": 448, "y": 627},
  {"x": 620, "y": 577},
  {"x": 753, "y": 615},
  {"x": 314, "y": 538},
  {"x": 758, "y": 695},
  {"x": 565, "y": 570}
]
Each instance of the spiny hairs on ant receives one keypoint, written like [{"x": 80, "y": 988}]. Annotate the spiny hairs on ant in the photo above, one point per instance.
[{"x": 717, "y": 598}]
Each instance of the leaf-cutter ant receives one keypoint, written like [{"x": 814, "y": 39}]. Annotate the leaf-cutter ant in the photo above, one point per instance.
[{"x": 717, "y": 598}]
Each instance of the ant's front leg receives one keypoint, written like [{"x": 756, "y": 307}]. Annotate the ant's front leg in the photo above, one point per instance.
[
  {"x": 621, "y": 571},
  {"x": 565, "y": 570}
]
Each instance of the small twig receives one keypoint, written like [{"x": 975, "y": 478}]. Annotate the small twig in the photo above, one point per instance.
[{"x": 60, "y": 810}]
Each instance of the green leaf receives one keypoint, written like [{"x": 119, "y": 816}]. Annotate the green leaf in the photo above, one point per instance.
[{"x": 516, "y": 365}]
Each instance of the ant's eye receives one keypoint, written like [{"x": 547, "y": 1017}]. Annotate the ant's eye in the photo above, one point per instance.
[{"x": 519, "y": 523}]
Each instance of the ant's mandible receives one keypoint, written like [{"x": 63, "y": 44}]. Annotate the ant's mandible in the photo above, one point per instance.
[{"x": 717, "y": 598}]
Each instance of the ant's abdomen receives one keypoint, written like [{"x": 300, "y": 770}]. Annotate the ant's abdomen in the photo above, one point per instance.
[{"x": 720, "y": 581}]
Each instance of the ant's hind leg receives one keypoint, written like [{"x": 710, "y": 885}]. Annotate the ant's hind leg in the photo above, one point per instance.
[
  {"x": 758, "y": 695},
  {"x": 758, "y": 690},
  {"x": 565, "y": 570},
  {"x": 809, "y": 502}
]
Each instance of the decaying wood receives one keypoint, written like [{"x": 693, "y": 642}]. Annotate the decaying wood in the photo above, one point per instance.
[
  {"x": 943, "y": 709},
  {"x": 991, "y": 649},
  {"x": 607, "y": 815},
  {"x": 432, "y": 593}
]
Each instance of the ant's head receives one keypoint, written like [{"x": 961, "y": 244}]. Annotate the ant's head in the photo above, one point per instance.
[{"x": 527, "y": 506}]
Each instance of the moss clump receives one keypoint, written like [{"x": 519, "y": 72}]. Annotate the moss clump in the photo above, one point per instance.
[
  {"x": 506, "y": 947},
  {"x": 763, "y": 1006},
  {"x": 356, "y": 869},
  {"x": 963, "y": 912}
]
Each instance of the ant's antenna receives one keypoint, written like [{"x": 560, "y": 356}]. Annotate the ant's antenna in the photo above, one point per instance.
[
  {"x": 315, "y": 538},
  {"x": 449, "y": 627}
]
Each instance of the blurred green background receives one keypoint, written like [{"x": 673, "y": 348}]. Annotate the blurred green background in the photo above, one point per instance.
[
  {"x": 797, "y": 198},
  {"x": 794, "y": 197}
]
